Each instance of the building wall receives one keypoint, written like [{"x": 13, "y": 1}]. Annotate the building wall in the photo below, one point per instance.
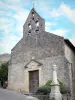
[
  {"x": 46, "y": 45},
  {"x": 46, "y": 48},
  {"x": 19, "y": 76},
  {"x": 32, "y": 21},
  {"x": 39, "y": 45},
  {"x": 16, "y": 77},
  {"x": 70, "y": 56},
  {"x": 22, "y": 53}
]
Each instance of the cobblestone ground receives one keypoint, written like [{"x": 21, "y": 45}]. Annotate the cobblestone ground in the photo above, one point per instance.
[{"x": 10, "y": 95}]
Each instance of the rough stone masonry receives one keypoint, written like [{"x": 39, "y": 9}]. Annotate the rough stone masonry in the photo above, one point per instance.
[{"x": 27, "y": 74}]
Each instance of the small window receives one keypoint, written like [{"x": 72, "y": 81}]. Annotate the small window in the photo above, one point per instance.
[
  {"x": 29, "y": 25},
  {"x": 37, "y": 23},
  {"x": 37, "y": 30},
  {"x": 32, "y": 18},
  {"x": 29, "y": 31},
  {"x": 33, "y": 14}
]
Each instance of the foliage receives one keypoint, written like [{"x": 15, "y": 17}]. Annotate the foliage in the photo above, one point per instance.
[
  {"x": 63, "y": 88},
  {"x": 45, "y": 90},
  {"x": 48, "y": 83},
  {"x": 3, "y": 72}
]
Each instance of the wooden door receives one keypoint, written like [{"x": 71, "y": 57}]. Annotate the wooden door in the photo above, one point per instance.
[{"x": 33, "y": 80}]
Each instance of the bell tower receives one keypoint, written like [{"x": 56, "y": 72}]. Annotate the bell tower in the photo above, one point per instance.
[{"x": 34, "y": 24}]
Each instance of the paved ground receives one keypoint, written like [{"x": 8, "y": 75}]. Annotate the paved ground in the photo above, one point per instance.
[{"x": 10, "y": 95}]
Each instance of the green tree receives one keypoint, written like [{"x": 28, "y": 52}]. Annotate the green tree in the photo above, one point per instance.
[{"x": 3, "y": 72}]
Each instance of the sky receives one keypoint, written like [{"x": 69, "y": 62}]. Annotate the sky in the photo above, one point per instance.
[{"x": 59, "y": 18}]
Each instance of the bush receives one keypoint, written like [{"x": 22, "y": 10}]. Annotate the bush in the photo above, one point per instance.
[
  {"x": 3, "y": 72},
  {"x": 48, "y": 83},
  {"x": 45, "y": 90},
  {"x": 63, "y": 88}
]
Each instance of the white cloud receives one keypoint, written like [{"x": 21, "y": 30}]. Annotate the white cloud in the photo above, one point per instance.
[
  {"x": 13, "y": 1},
  {"x": 48, "y": 25},
  {"x": 70, "y": 13},
  {"x": 8, "y": 42},
  {"x": 64, "y": 10},
  {"x": 56, "y": 12},
  {"x": 5, "y": 25},
  {"x": 11, "y": 34},
  {"x": 60, "y": 32},
  {"x": 43, "y": 8},
  {"x": 20, "y": 17}
]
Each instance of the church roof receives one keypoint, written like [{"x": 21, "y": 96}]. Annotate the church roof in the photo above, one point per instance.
[{"x": 70, "y": 44}]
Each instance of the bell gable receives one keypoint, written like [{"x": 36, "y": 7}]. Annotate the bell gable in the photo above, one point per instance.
[{"x": 34, "y": 24}]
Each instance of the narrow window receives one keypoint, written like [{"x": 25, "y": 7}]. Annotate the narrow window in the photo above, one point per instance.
[
  {"x": 37, "y": 23},
  {"x": 33, "y": 14},
  {"x": 32, "y": 18},
  {"x": 29, "y": 25},
  {"x": 29, "y": 31},
  {"x": 37, "y": 29}
]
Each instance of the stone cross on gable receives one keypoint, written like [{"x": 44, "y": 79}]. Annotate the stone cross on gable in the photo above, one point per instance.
[{"x": 33, "y": 3}]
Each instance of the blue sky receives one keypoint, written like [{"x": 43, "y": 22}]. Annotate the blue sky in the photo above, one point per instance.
[{"x": 59, "y": 18}]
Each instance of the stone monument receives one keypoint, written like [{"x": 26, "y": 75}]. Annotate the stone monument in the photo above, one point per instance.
[{"x": 55, "y": 90}]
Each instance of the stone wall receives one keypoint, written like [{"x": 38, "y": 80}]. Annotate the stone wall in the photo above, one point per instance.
[
  {"x": 70, "y": 56},
  {"x": 63, "y": 69},
  {"x": 16, "y": 77},
  {"x": 19, "y": 76},
  {"x": 45, "y": 47},
  {"x": 30, "y": 27}
]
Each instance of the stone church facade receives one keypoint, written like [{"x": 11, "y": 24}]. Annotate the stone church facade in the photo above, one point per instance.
[{"x": 32, "y": 58}]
